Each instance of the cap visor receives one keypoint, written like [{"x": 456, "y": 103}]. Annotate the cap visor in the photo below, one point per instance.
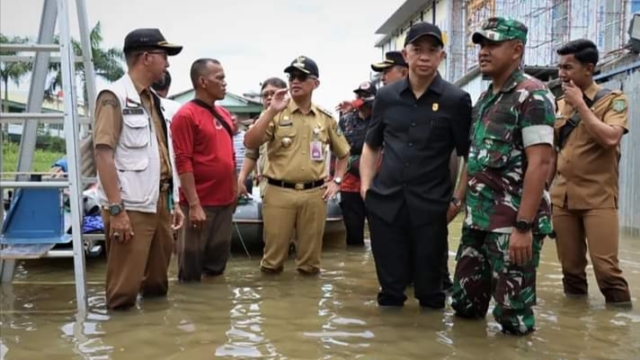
[
  {"x": 433, "y": 35},
  {"x": 171, "y": 49},
  {"x": 381, "y": 66},
  {"x": 293, "y": 68},
  {"x": 363, "y": 93},
  {"x": 493, "y": 36},
  {"x": 477, "y": 37}
]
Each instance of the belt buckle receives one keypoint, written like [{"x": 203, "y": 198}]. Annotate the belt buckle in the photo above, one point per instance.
[{"x": 299, "y": 186}]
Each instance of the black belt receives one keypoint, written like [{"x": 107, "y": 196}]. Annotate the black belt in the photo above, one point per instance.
[{"x": 296, "y": 186}]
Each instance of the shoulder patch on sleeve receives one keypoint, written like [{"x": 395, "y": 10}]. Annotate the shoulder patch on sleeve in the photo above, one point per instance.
[{"x": 618, "y": 105}]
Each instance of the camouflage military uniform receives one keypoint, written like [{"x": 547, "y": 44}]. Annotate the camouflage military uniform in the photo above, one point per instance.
[{"x": 521, "y": 114}]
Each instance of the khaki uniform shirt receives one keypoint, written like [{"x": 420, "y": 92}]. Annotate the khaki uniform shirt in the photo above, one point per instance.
[
  {"x": 587, "y": 173},
  {"x": 290, "y": 137},
  {"x": 108, "y": 125}
]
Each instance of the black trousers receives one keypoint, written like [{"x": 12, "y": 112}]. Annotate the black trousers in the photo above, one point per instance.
[
  {"x": 248, "y": 183},
  {"x": 404, "y": 252},
  {"x": 353, "y": 215}
]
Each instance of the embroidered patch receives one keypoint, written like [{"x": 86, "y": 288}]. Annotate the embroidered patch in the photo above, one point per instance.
[{"x": 619, "y": 105}]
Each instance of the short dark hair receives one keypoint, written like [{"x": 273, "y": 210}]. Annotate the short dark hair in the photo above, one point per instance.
[
  {"x": 273, "y": 81},
  {"x": 584, "y": 50},
  {"x": 198, "y": 69},
  {"x": 131, "y": 57},
  {"x": 162, "y": 84}
]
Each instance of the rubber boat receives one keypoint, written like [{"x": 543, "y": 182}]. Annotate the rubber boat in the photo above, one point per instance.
[{"x": 248, "y": 225}]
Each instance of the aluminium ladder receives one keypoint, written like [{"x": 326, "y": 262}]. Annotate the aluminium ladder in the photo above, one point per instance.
[{"x": 52, "y": 10}]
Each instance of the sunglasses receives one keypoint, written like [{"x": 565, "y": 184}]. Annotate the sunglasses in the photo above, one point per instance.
[{"x": 300, "y": 76}]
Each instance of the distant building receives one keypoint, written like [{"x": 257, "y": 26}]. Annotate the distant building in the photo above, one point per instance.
[
  {"x": 253, "y": 96},
  {"x": 17, "y": 104},
  {"x": 550, "y": 22},
  {"x": 240, "y": 106}
]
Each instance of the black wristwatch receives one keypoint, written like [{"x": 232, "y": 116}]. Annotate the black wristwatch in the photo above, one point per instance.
[
  {"x": 115, "y": 209},
  {"x": 523, "y": 225},
  {"x": 456, "y": 202}
]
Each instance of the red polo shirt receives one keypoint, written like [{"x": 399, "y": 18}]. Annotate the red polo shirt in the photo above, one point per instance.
[{"x": 204, "y": 147}]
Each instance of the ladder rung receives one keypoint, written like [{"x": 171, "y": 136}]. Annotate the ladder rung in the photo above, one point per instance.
[
  {"x": 33, "y": 184},
  {"x": 58, "y": 254},
  {"x": 30, "y": 59},
  {"x": 29, "y": 47},
  {"x": 42, "y": 117},
  {"x": 31, "y": 116}
]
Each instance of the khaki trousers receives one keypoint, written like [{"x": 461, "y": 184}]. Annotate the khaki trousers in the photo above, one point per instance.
[
  {"x": 205, "y": 251},
  {"x": 597, "y": 230},
  {"x": 286, "y": 210},
  {"x": 140, "y": 264}
]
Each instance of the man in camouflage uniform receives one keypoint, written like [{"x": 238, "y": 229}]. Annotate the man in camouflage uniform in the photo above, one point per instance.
[{"x": 507, "y": 200}]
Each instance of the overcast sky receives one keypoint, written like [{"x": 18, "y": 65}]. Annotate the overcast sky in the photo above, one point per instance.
[{"x": 254, "y": 39}]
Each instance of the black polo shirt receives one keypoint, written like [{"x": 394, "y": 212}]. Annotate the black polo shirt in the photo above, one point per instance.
[{"x": 419, "y": 136}]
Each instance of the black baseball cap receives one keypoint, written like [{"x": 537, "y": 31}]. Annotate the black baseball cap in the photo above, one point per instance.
[
  {"x": 391, "y": 58},
  {"x": 305, "y": 65},
  {"x": 421, "y": 29},
  {"x": 366, "y": 87},
  {"x": 145, "y": 39}
]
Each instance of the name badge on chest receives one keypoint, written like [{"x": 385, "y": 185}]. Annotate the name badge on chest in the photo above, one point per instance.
[
  {"x": 132, "y": 111},
  {"x": 315, "y": 151},
  {"x": 315, "y": 148}
]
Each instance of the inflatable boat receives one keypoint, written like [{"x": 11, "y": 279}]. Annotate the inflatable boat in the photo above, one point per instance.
[{"x": 248, "y": 226}]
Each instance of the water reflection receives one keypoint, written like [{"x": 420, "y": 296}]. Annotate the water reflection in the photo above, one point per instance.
[{"x": 248, "y": 315}]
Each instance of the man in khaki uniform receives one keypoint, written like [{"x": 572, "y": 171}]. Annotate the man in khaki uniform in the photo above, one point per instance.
[
  {"x": 297, "y": 134},
  {"x": 591, "y": 123},
  {"x": 135, "y": 173}
]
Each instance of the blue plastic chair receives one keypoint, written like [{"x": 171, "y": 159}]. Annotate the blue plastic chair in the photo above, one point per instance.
[{"x": 34, "y": 223}]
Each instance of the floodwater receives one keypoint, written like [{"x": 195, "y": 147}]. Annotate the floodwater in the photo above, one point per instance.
[{"x": 248, "y": 315}]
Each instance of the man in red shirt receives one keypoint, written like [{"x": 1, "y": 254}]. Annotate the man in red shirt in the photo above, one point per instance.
[{"x": 205, "y": 160}]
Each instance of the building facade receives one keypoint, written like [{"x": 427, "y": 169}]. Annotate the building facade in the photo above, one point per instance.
[{"x": 550, "y": 22}]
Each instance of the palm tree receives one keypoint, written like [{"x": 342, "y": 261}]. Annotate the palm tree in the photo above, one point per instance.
[
  {"x": 12, "y": 70},
  {"x": 106, "y": 62}
]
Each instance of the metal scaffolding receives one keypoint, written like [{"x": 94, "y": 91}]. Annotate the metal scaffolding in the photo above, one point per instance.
[{"x": 552, "y": 23}]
